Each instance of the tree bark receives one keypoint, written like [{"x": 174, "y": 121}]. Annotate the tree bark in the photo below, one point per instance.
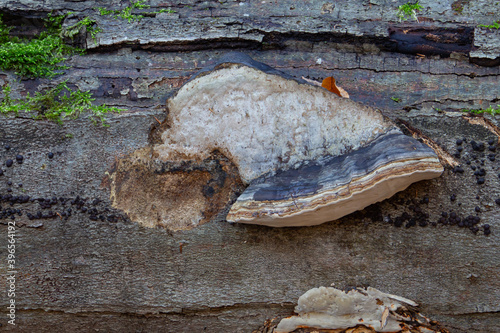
[{"x": 112, "y": 274}]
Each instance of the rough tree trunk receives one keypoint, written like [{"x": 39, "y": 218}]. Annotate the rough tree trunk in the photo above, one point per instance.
[{"x": 112, "y": 274}]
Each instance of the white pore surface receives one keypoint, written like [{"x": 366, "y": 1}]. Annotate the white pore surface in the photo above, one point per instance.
[
  {"x": 263, "y": 122},
  {"x": 330, "y": 308}
]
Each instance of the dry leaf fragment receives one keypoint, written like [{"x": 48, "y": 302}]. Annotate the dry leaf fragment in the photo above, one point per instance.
[{"x": 329, "y": 84}]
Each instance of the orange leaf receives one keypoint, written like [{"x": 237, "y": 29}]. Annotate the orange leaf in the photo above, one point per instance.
[{"x": 329, "y": 84}]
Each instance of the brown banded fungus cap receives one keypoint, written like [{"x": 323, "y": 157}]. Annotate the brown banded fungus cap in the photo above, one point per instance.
[{"x": 308, "y": 155}]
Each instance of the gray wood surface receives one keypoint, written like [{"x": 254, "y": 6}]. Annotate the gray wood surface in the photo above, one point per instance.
[{"x": 81, "y": 275}]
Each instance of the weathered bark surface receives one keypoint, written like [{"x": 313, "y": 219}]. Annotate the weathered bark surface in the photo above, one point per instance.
[{"x": 77, "y": 274}]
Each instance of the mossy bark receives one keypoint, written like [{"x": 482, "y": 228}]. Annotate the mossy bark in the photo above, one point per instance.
[{"x": 112, "y": 274}]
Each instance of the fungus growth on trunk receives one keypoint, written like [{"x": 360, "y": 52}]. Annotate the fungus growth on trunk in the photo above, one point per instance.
[
  {"x": 363, "y": 310},
  {"x": 305, "y": 155},
  {"x": 308, "y": 155}
]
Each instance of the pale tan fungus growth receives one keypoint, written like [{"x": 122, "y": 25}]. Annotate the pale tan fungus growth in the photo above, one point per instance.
[{"x": 357, "y": 310}]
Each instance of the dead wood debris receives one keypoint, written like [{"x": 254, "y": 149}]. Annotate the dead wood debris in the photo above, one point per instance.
[{"x": 445, "y": 157}]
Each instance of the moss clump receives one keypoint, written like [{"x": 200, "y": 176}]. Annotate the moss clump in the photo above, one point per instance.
[
  {"x": 458, "y": 6},
  {"x": 41, "y": 56},
  {"x": 408, "y": 10},
  {"x": 495, "y": 25},
  {"x": 4, "y": 32},
  {"x": 126, "y": 13},
  {"x": 55, "y": 104},
  {"x": 87, "y": 23},
  {"x": 489, "y": 110},
  {"x": 38, "y": 57}
]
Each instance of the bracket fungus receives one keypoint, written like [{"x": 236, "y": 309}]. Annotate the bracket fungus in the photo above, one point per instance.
[
  {"x": 305, "y": 155},
  {"x": 308, "y": 155},
  {"x": 357, "y": 310}
]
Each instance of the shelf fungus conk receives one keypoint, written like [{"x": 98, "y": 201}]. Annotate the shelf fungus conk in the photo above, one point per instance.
[
  {"x": 307, "y": 155},
  {"x": 358, "y": 310}
]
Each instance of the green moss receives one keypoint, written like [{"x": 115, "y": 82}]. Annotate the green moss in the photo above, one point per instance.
[
  {"x": 495, "y": 25},
  {"x": 43, "y": 55},
  {"x": 395, "y": 99},
  {"x": 87, "y": 23},
  {"x": 38, "y": 57},
  {"x": 90, "y": 24},
  {"x": 171, "y": 11},
  {"x": 55, "y": 104},
  {"x": 408, "y": 10},
  {"x": 4, "y": 32},
  {"x": 126, "y": 13},
  {"x": 489, "y": 110},
  {"x": 458, "y": 6}
]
